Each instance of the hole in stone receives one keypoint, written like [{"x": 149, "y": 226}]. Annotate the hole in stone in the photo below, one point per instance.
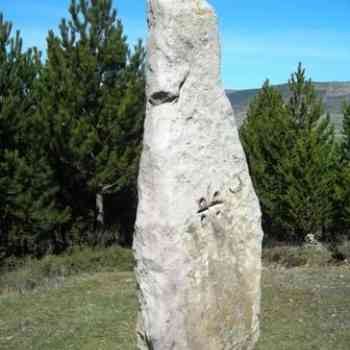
[
  {"x": 216, "y": 194},
  {"x": 218, "y": 213},
  {"x": 161, "y": 97},
  {"x": 203, "y": 219}
]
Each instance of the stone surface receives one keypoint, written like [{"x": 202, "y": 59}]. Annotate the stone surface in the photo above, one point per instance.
[{"x": 198, "y": 229}]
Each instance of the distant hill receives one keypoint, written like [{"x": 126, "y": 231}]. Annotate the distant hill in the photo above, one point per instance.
[{"x": 333, "y": 94}]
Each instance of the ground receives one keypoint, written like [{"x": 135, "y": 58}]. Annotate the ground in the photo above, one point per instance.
[
  {"x": 302, "y": 308},
  {"x": 94, "y": 312},
  {"x": 306, "y": 309}
]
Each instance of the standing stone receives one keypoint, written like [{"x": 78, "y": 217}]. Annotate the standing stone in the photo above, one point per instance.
[{"x": 198, "y": 229}]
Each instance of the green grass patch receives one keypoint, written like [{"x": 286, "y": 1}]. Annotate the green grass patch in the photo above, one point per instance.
[
  {"x": 303, "y": 308},
  {"x": 306, "y": 309},
  {"x": 94, "y": 312}
]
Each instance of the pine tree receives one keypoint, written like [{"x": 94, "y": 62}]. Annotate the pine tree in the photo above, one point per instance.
[
  {"x": 265, "y": 139},
  {"x": 293, "y": 159},
  {"x": 343, "y": 178},
  {"x": 345, "y": 148},
  {"x": 27, "y": 207},
  {"x": 93, "y": 111},
  {"x": 307, "y": 201}
]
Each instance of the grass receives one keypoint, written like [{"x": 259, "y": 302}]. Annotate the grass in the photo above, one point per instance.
[
  {"x": 306, "y": 308},
  {"x": 90, "y": 312},
  {"x": 303, "y": 308}
]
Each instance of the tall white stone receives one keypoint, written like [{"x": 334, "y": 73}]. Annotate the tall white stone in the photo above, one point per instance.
[{"x": 198, "y": 230}]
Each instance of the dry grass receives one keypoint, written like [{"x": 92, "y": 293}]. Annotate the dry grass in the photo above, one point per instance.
[
  {"x": 23, "y": 275},
  {"x": 295, "y": 256}
]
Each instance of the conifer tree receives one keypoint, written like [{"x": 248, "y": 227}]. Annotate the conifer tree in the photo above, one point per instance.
[
  {"x": 265, "y": 138},
  {"x": 343, "y": 178},
  {"x": 292, "y": 156},
  {"x": 28, "y": 217},
  {"x": 345, "y": 148},
  {"x": 93, "y": 111},
  {"x": 309, "y": 168}
]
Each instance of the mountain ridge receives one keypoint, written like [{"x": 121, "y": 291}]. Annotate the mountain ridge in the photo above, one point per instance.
[{"x": 333, "y": 94}]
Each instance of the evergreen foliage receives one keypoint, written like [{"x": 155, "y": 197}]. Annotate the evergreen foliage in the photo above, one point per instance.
[
  {"x": 92, "y": 110},
  {"x": 28, "y": 212},
  {"x": 265, "y": 138},
  {"x": 345, "y": 148},
  {"x": 71, "y": 131},
  {"x": 343, "y": 179},
  {"x": 310, "y": 167},
  {"x": 293, "y": 159}
]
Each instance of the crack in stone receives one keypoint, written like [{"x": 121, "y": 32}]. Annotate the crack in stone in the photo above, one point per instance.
[{"x": 204, "y": 208}]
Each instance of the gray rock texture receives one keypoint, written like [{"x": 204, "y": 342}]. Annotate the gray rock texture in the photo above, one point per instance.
[{"x": 198, "y": 229}]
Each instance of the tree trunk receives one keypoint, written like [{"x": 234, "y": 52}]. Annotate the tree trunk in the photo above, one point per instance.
[{"x": 100, "y": 210}]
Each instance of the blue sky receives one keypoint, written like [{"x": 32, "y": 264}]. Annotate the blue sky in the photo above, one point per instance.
[{"x": 260, "y": 39}]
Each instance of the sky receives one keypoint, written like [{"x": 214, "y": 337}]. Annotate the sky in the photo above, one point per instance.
[{"x": 260, "y": 39}]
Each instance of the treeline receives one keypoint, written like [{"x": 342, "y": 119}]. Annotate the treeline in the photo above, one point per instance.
[
  {"x": 300, "y": 168},
  {"x": 71, "y": 129},
  {"x": 70, "y": 134}
]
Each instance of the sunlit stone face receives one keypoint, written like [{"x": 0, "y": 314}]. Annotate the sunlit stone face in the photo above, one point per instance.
[{"x": 198, "y": 231}]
